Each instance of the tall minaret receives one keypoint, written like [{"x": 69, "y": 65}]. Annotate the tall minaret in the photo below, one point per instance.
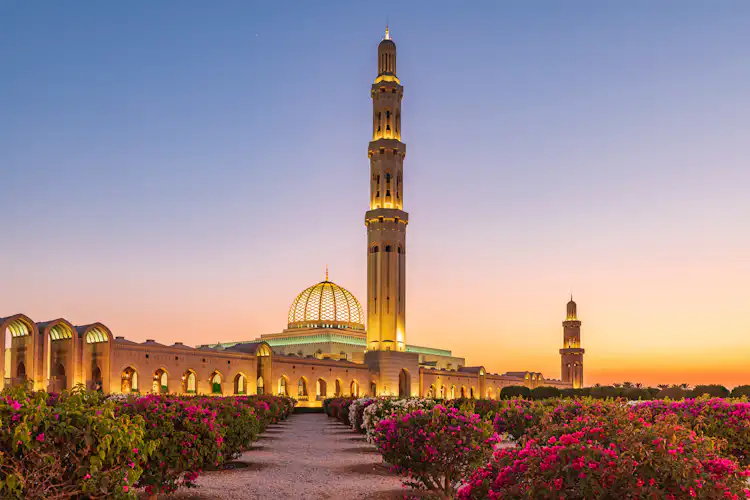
[
  {"x": 386, "y": 221},
  {"x": 571, "y": 353}
]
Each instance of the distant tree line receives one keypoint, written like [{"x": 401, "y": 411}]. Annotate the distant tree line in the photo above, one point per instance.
[{"x": 628, "y": 390}]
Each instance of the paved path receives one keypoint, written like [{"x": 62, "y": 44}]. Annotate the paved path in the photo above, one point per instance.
[{"x": 307, "y": 457}]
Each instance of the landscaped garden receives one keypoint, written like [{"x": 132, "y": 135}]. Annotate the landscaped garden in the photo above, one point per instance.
[
  {"x": 559, "y": 448},
  {"x": 86, "y": 445}
]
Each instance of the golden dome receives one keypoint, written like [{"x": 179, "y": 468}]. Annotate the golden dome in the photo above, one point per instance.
[{"x": 326, "y": 305}]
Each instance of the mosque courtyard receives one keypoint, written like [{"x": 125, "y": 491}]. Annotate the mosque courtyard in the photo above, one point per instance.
[{"x": 308, "y": 456}]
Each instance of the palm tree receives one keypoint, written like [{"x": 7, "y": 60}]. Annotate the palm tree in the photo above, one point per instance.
[
  {"x": 685, "y": 386},
  {"x": 663, "y": 386},
  {"x": 617, "y": 386},
  {"x": 627, "y": 385},
  {"x": 638, "y": 385},
  {"x": 597, "y": 384}
]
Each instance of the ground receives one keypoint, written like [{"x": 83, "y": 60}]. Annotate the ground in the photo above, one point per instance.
[{"x": 306, "y": 457}]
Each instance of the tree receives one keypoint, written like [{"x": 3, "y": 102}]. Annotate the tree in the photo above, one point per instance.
[
  {"x": 515, "y": 391},
  {"x": 741, "y": 390},
  {"x": 663, "y": 386},
  {"x": 713, "y": 390},
  {"x": 545, "y": 392},
  {"x": 627, "y": 385}
]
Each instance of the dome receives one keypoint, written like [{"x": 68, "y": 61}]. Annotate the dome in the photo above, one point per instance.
[{"x": 326, "y": 305}]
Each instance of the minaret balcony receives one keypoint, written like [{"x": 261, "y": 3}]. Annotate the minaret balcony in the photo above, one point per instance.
[
  {"x": 386, "y": 214},
  {"x": 386, "y": 145}
]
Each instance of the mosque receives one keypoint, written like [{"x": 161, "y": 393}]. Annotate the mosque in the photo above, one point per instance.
[{"x": 326, "y": 349}]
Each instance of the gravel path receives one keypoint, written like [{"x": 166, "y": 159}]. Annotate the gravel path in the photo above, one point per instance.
[{"x": 307, "y": 457}]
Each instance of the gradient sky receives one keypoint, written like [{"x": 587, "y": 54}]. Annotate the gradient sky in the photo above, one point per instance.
[{"x": 181, "y": 170}]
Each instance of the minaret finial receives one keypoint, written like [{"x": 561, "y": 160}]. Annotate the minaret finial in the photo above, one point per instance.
[
  {"x": 387, "y": 33},
  {"x": 326, "y": 272}
]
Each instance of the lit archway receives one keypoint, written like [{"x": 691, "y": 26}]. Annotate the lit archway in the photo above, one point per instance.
[
  {"x": 442, "y": 392},
  {"x": 18, "y": 333},
  {"x": 60, "y": 354},
  {"x": 321, "y": 389},
  {"x": 337, "y": 387},
  {"x": 129, "y": 380},
  {"x": 160, "y": 384},
  {"x": 190, "y": 382},
  {"x": 453, "y": 392},
  {"x": 97, "y": 348},
  {"x": 302, "y": 388},
  {"x": 240, "y": 384},
  {"x": 404, "y": 384},
  {"x": 354, "y": 388},
  {"x": 216, "y": 383},
  {"x": 283, "y": 386}
]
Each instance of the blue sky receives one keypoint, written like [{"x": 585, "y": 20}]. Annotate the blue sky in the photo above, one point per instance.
[{"x": 163, "y": 157}]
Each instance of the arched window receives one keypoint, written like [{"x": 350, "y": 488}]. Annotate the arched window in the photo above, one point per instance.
[
  {"x": 374, "y": 249},
  {"x": 190, "y": 382},
  {"x": 453, "y": 392},
  {"x": 338, "y": 388},
  {"x": 240, "y": 384},
  {"x": 282, "y": 387},
  {"x": 442, "y": 392},
  {"x": 354, "y": 389},
  {"x": 301, "y": 387},
  {"x": 161, "y": 382},
  {"x": 129, "y": 380},
  {"x": 216, "y": 383},
  {"x": 388, "y": 248}
]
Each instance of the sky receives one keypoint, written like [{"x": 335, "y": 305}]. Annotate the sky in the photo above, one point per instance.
[{"x": 182, "y": 170}]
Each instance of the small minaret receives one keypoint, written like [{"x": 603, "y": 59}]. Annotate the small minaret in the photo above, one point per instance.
[
  {"x": 571, "y": 353},
  {"x": 386, "y": 220}
]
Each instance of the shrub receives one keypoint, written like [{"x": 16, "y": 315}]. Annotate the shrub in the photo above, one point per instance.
[
  {"x": 604, "y": 392},
  {"x": 718, "y": 418},
  {"x": 435, "y": 449},
  {"x": 384, "y": 408},
  {"x": 68, "y": 446},
  {"x": 236, "y": 416},
  {"x": 545, "y": 392},
  {"x": 636, "y": 394},
  {"x": 713, "y": 390},
  {"x": 517, "y": 416},
  {"x": 740, "y": 391},
  {"x": 356, "y": 412},
  {"x": 189, "y": 440},
  {"x": 515, "y": 391},
  {"x": 673, "y": 392},
  {"x": 619, "y": 455}
]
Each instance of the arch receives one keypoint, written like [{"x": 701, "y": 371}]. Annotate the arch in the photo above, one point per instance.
[
  {"x": 337, "y": 388},
  {"x": 239, "y": 384},
  {"x": 463, "y": 392},
  {"x": 216, "y": 380},
  {"x": 60, "y": 348},
  {"x": 373, "y": 389},
  {"x": 283, "y": 386},
  {"x": 453, "y": 392},
  {"x": 404, "y": 383},
  {"x": 96, "y": 340},
  {"x": 302, "y": 388},
  {"x": 321, "y": 389},
  {"x": 472, "y": 392},
  {"x": 96, "y": 378},
  {"x": 490, "y": 394},
  {"x": 432, "y": 392},
  {"x": 354, "y": 388},
  {"x": 129, "y": 380},
  {"x": 190, "y": 382},
  {"x": 160, "y": 383},
  {"x": 17, "y": 344},
  {"x": 442, "y": 392}
]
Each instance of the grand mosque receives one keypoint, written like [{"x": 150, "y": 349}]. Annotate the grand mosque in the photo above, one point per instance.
[{"x": 330, "y": 347}]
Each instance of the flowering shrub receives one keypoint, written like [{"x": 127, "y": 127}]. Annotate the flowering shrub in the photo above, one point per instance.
[
  {"x": 517, "y": 416},
  {"x": 189, "y": 440},
  {"x": 619, "y": 454},
  {"x": 237, "y": 418},
  {"x": 435, "y": 449},
  {"x": 356, "y": 412},
  {"x": 719, "y": 418},
  {"x": 386, "y": 407},
  {"x": 68, "y": 446}
]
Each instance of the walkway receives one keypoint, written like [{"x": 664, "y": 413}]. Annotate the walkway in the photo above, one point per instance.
[{"x": 307, "y": 457}]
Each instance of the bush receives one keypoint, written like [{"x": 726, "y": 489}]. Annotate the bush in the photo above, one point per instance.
[
  {"x": 718, "y": 418},
  {"x": 673, "y": 392},
  {"x": 237, "y": 417},
  {"x": 617, "y": 455},
  {"x": 384, "y": 408},
  {"x": 68, "y": 446},
  {"x": 435, "y": 449},
  {"x": 713, "y": 390},
  {"x": 545, "y": 392},
  {"x": 357, "y": 411},
  {"x": 741, "y": 391},
  {"x": 515, "y": 391},
  {"x": 189, "y": 440},
  {"x": 517, "y": 416},
  {"x": 604, "y": 392},
  {"x": 636, "y": 394}
]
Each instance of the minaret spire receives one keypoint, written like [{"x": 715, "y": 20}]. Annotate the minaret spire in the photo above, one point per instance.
[
  {"x": 386, "y": 220},
  {"x": 326, "y": 272}
]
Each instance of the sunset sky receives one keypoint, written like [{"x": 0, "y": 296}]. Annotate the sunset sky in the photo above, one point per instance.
[{"x": 181, "y": 170}]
